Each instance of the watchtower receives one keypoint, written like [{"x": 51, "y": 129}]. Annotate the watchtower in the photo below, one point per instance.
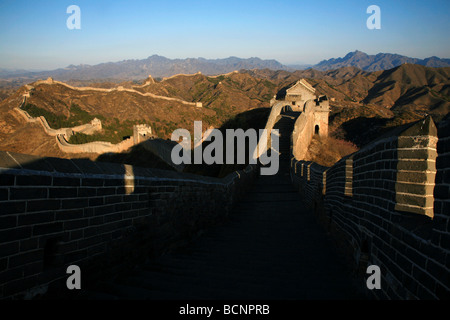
[
  {"x": 96, "y": 124},
  {"x": 295, "y": 97},
  {"x": 321, "y": 114},
  {"x": 141, "y": 132},
  {"x": 297, "y": 94}
]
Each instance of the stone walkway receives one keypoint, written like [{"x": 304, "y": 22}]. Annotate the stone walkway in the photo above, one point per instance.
[{"x": 271, "y": 248}]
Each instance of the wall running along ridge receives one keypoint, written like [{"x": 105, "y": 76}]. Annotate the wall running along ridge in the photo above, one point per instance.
[
  {"x": 61, "y": 135},
  {"x": 119, "y": 88}
]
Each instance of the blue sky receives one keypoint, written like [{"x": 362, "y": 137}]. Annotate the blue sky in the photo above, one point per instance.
[{"x": 34, "y": 35}]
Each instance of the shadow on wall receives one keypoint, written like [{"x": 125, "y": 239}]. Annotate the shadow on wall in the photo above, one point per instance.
[
  {"x": 142, "y": 155},
  {"x": 387, "y": 204},
  {"x": 252, "y": 119},
  {"x": 362, "y": 130},
  {"x": 156, "y": 153},
  {"x": 103, "y": 217},
  {"x": 372, "y": 128}
]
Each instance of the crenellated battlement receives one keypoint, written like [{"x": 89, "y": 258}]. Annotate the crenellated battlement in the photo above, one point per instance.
[{"x": 388, "y": 205}]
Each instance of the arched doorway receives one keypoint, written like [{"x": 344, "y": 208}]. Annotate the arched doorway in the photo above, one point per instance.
[
  {"x": 316, "y": 129},
  {"x": 286, "y": 109}
]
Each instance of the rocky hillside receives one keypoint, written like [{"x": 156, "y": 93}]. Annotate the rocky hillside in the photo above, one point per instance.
[
  {"x": 222, "y": 98},
  {"x": 364, "y": 104}
]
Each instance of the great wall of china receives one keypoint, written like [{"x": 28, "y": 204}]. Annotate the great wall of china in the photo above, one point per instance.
[
  {"x": 62, "y": 136},
  {"x": 387, "y": 204},
  {"x": 140, "y": 132},
  {"x": 50, "y": 81}
]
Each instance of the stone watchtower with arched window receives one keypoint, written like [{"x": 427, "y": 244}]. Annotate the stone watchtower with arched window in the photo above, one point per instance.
[
  {"x": 141, "y": 132},
  {"x": 295, "y": 97},
  {"x": 321, "y": 114}
]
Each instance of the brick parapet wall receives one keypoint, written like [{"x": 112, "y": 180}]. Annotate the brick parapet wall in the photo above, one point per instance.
[
  {"x": 102, "y": 217},
  {"x": 358, "y": 200}
]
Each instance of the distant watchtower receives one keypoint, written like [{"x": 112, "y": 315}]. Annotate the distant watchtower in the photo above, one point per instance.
[
  {"x": 141, "y": 132},
  {"x": 96, "y": 124},
  {"x": 321, "y": 113},
  {"x": 295, "y": 97}
]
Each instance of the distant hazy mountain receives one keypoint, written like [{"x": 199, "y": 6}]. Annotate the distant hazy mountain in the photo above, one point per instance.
[
  {"x": 155, "y": 65},
  {"x": 381, "y": 61},
  {"x": 299, "y": 66},
  {"x": 159, "y": 67},
  {"x": 7, "y": 73},
  {"x": 364, "y": 104}
]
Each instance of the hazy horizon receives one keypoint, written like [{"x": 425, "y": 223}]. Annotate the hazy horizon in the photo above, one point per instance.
[{"x": 35, "y": 35}]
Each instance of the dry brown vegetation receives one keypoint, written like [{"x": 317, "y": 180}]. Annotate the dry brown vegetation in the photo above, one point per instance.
[
  {"x": 364, "y": 104},
  {"x": 326, "y": 151}
]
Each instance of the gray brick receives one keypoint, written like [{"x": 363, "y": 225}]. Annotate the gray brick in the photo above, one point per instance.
[
  {"x": 8, "y": 249},
  {"x": 76, "y": 224},
  {"x": 33, "y": 180},
  {"x": 4, "y": 194},
  {"x": 74, "y": 203},
  {"x": 7, "y": 179},
  {"x": 417, "y": 154},
  {"x": 15, "y": 234},
  {"x": 7, "y": 222},
  {"x": 27, "y": 257},
  {"x": 97, "y": 201},
  {"x": 106, "y": 191},
  {"x": 12, "y": 207},
  {"x": 29, "y": 244},
  {"x": 69, "y": 214},
  {"x": 47, "y": 228},
  {"x": 87, "y": 192},
  {"x": 66, "y": 181},
  {"x": 75, "y": 256},
  {"x": 94, "y": 182},
  {"x": 442, "y": 192},
  {"x": 43, "y": 205},
  {"x": 59, "y": 193},
  {"x": 104, "y": 210},
  {"x": 27, "y": 193},
  {"x": 34, "y": 268},
  {"x": 35, "y": 218},
  {"x": 114, "y": 182},
  {"x": 17, "y": 286},
  {"x": 112, "y": 217},
  {"x": 113, "y": 199}
]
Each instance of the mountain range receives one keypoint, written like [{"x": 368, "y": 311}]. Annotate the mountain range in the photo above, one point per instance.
[
  {"x": 155, "y": 65},
  {"x": 363, "y": 104},
  {"x": 159, "y": 67},
  {"x": 380, "y": 61}
]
